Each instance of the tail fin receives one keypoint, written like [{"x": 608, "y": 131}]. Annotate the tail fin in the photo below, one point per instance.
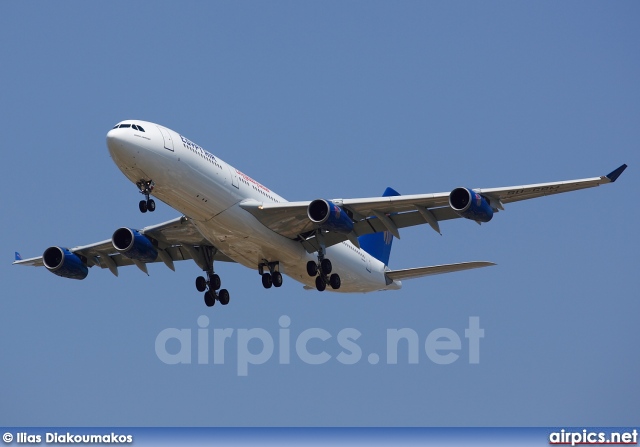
[{"x": 378, "y": 245}]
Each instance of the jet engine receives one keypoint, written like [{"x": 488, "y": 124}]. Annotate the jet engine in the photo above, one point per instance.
[
  {"x": 470, "y": 205},
  {"x": 64, "y": 263},
  {"x": 134, "y": 245},
  {"x": 329, "y": 216}
]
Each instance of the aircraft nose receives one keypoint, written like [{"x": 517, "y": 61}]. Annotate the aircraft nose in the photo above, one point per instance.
[
  {"x": 121, "y": 149},
  {"x": 116, "y": 140},
  {"x": 112, "y": 137}
]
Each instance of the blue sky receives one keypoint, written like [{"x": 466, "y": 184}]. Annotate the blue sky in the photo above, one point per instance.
[{"x": 327, "y": 100}]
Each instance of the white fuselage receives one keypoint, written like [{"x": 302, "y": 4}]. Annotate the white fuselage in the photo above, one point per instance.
[{"x": 208, "y": 191}]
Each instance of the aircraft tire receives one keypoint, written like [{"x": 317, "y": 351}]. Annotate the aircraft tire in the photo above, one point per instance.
[
  {"x": 267, "y": 280},
  {"x": 325, "y": 266},
  {"x": 201, "y": 284},
  {"x": 320, "y": 284},
  {"x": 276, "y": 278},
  {"x": 209, "y": 298},
  {"x": 312, "y": 268},
  {"x": 334, "y": 281},
  {"x": 215, "y": 282}
]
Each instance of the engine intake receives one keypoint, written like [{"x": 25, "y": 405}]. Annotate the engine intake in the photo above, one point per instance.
[
  {"x": 62, "y": 262},
  {"x": 470, "y": 205},
  {"x": 329, "y": 216},
  {"x": 134, "y": 245}
]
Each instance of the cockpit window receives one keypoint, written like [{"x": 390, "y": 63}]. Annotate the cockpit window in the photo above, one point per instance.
[{"x": 126, "y": 126}]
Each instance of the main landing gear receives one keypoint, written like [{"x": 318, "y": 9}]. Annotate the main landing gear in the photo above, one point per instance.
[
  {"x": 145, "y": 187},
  {"x": 212, "y": 283},
  {"x": 322, "y": 271},
  {"x": 271, "y": 278}
]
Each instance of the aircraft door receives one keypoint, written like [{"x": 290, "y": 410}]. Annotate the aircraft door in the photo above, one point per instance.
[
  {"x": 234, "y": 176},
  {"x": 166, "y": 136}
]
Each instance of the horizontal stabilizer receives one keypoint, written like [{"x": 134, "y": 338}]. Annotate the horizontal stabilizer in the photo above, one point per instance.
[{"x": 419, "y": 272}]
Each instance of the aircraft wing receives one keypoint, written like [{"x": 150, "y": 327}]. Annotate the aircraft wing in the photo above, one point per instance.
[
  {"x": 377, "y": 214},
  {"x": 524, "y": 192},
  {"x": 176, "y": 239}
]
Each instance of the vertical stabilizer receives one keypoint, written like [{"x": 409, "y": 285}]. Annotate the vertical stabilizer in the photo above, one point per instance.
[{"x": 378, "y": 245}]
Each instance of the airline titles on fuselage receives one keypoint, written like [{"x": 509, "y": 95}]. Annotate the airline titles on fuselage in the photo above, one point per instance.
[
  {"x": 188, "y": 144},
  {"x": 250, "y": 180}
]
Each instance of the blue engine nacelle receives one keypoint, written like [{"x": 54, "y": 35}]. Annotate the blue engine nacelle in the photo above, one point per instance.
[
  {"x": 134, "y": 245},
  {"x": 329, "y": 216},
  {"x": 64, "y": 263},
  {"x": 470, "y": 205}
]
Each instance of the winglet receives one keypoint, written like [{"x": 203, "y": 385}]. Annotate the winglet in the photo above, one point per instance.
[
  {"x": 18, "y": 257},
  {"x": 613, "y": 175}
]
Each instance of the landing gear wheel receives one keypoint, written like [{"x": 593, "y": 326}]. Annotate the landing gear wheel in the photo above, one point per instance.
[
  {"x": 209, "y": 298},
  {"x": 145, "y": 187},
  {"x": 334, "y": 281},
  {"x": 325, "y": 266},
  {"x": 215, "y": 282},
  {"x": 201, "y": 284},
  {"x": 212, "y": 282},
  {"x": 312, "y": 268},
  {"x": 267, "y": 280},
  {"x": 276, "y": 278},
  {"x": 223, "y": 297},
  {"x": 320, "y": 284}
]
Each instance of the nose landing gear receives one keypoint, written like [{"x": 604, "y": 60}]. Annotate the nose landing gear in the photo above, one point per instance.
[
  {"x": 145, "y": 187},
  {"x": 271, "y": 278}
]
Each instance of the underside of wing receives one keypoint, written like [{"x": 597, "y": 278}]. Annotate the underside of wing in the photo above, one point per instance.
[
  {"x": 292, "y": 220},
  {"x": 174, "y": 240},
  {"x": 391, "y": 213},
  {"x": 524, "y": 192},
  {"x": 419, "y": 272}
]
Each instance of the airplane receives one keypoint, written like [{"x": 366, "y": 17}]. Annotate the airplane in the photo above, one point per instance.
[{"x": 341, "y": 245}]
